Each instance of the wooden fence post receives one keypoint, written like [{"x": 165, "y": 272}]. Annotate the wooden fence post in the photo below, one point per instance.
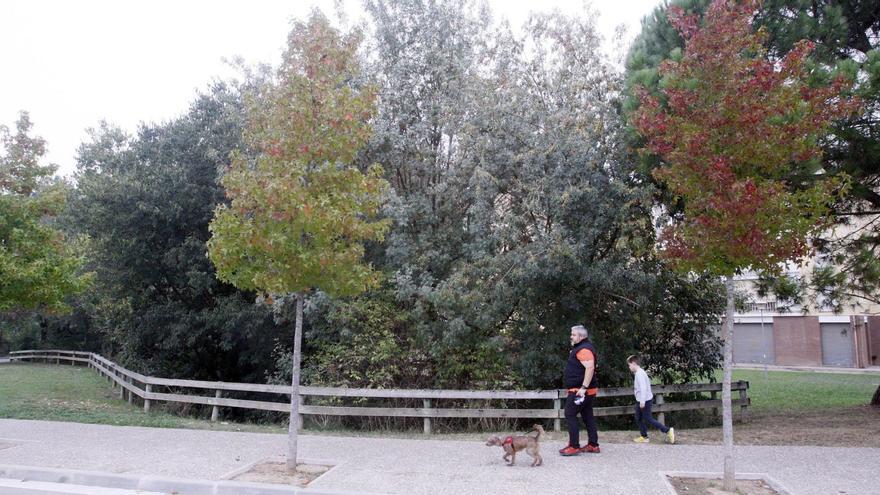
[
  {"x": 715, "y": 409},
  {"x": 130, "y": 395},
  {"x": 147, "y": 388},
  {"x": 743, "y": 397},
  {"x": 299, "y": 417},
  {"x": 121, "y": 388},
  {"x": 557, "y": 405},
  {"x": 658, "y": 399},
  {"x": 215, "y": 411},
  {"x": 426, "y": 422}
]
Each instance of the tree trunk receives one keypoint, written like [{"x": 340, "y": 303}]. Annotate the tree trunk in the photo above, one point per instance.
[
  {"x": 727, "y": 411},
  {"x": 293, "y": 427},
  {"x": 876, "y": 400}
]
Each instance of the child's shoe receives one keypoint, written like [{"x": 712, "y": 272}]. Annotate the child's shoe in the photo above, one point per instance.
[
  {"x": 641, "y": 440},
  {"x": 670, "y": 435}
]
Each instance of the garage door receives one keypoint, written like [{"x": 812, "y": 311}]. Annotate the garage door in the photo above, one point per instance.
[
  {"x": 752, "y": 344},
  {"x": 837, "y": 344}
]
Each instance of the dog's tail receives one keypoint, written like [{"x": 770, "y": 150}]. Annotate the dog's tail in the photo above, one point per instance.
[{"x": 539, "y": 432}]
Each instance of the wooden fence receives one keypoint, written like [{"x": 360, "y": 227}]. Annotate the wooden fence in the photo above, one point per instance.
[{"x": 147, "y": 388}]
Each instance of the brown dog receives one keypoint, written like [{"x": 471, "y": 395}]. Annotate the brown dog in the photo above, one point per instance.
[{"x": 513, "y": 444}]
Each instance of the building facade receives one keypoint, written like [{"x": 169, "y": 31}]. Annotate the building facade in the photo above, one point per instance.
[
  {"x": 813, "y": 334},
  {"x": 850, "y": 341}
]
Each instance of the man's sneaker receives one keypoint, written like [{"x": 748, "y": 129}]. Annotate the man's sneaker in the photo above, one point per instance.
[
  {"x": 570, "y": 451},
  {"x": 641, "y": 439},
  {"x": 670, "y": 435},
  {"x": 590, "y": 449}
]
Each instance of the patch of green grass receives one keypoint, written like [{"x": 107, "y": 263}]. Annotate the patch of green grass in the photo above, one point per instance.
[
  {"x": 78, "y": 394},
  {"x": 788, "y": 391}
]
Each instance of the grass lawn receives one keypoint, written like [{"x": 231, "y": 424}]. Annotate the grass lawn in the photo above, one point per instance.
[
  {"x": 787, "y": 391},
  {"x": 78, "y": 394}
]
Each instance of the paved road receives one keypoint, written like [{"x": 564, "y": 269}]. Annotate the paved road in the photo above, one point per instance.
[{"x": 370, "y": 465}]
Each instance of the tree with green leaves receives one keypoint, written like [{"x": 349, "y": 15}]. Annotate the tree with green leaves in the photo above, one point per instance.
[
  {"x": 558, "y": 227},
  {"x": 299, "y": 211},
  {"x": 513, "y": 213},
  {"x": 144, "y": 202},
  {"x": 426, "y": 66},
  {"x": 736, "y": 138},
  {"x": 39, "y": 267}
]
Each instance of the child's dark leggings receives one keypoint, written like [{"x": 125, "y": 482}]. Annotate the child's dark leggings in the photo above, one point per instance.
[{"x": 644, "y": 416}]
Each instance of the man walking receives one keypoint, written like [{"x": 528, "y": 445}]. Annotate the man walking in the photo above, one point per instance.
[{"x": 579, "y": 379}]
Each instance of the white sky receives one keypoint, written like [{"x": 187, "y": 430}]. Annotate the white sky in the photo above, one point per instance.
[{"x": 73, "y": 63}]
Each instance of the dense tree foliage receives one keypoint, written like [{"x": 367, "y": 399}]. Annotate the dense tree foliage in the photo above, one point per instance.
[
  {"x": 145, "y": 203},
  {"x": 514, "y": 212}
]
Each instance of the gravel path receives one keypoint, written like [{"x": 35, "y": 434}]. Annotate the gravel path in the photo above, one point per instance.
[{"x": 371, "y": 465}]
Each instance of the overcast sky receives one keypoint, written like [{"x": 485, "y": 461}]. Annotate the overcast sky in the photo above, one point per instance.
[{"x": 73, "y": 63}]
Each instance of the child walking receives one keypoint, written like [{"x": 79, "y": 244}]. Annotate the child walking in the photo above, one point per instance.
[{"x": 644, "y": 398}]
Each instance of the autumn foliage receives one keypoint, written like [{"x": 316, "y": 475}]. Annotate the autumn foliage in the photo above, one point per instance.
[
  {"x": 737, "y": 133},
  {"x": 300, "y": 210}
]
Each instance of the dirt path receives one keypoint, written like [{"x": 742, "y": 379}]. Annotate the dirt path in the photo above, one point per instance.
[{"x": 840, "y": 427}]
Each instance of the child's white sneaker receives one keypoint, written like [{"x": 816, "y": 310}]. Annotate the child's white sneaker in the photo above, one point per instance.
[
  {"x": 641, "y": 440},
  {"x": 670, "y": 435}
]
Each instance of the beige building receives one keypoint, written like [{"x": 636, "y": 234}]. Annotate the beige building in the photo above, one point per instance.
[{"x": 810, "y": 335}]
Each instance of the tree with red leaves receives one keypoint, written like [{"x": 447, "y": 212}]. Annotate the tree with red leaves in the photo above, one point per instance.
[{"x": 737, "y": 134}]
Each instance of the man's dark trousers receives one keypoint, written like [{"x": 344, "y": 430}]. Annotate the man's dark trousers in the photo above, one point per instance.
[{"x": 585, "y": 409}]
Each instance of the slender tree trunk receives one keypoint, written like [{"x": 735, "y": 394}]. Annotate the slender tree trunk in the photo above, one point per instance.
[
  {"x": 293, "y": 427},
  {"x": 727, "y": 411}
]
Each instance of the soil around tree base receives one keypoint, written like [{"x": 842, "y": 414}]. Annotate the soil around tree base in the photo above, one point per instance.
[
  {"x": 708, "y": 486},
  {"x": 278, "y": 472}
]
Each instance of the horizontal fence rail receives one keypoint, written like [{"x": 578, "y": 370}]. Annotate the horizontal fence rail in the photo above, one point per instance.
[{"x": 132, "y": 384}]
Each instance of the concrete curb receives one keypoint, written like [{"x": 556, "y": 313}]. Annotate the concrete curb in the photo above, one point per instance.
[
  {"x": 19, "y": 487},
  {"x": 155, "y": 483},
  {"x": 664, "y": 475}
]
